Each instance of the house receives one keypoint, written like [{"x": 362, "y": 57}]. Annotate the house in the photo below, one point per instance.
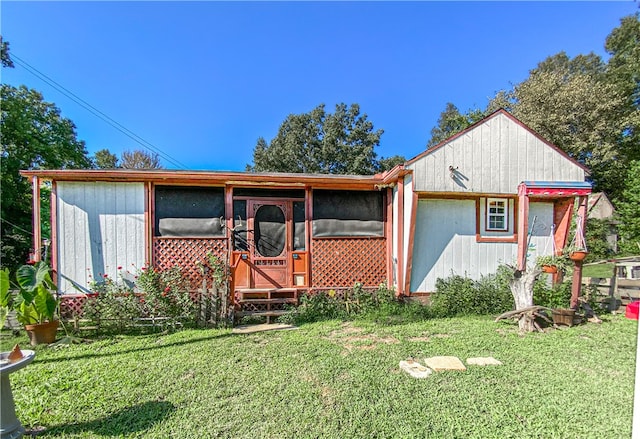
[
  {"x": 601, "y": 208},
  {"x": 494, "y": 193}
]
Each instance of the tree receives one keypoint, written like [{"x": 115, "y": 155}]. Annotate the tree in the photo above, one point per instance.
[
  {"x": 104, "y": 159},
  {"x": 5, "y": 59},
  {"x": 319, "y": 142},
  {"x": 451, "y": 122},
  {"x": 629, "y": 211},
  {"x": 387, "y": 163},
  {"x": 140, "y": 159},
  {"x": 34, "y": 136}
]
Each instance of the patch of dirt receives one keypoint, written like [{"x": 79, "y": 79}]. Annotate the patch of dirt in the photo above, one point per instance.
[
  {"x": 351, "y": 338},
  {"x": 422, "y": 338}
]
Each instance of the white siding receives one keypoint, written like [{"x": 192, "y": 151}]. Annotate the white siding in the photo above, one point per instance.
[
  {"x": 445, "y": 242},
  {"x": 494, "y": 157},
  {"x": 408, "y": 207},
  {"x": 100, "y": 227}
]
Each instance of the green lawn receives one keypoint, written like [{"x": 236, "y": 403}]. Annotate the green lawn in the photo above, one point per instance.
[
  {"x": 336, "y": 380},
  {"x": 598, "y": 270}
]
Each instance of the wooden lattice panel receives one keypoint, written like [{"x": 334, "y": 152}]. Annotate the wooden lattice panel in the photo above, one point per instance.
[
  {"x": 72, "y": 305},
  {"x": 185, "y": 252},
  {"x": 343, "y": 262}
]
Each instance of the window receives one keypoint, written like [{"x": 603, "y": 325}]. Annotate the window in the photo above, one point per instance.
[{"x": 497, "y": 214}]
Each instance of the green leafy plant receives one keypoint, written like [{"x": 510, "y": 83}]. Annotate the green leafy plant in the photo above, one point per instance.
[
  {"x": 5, "y": 296},
  {"x": 562, "y": 262},
  {"x": 35, "y": 303}
]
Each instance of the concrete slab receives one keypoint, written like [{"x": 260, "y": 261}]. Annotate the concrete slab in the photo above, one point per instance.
[
  {"x": 483, "y": 361},
  {"x": 250, "y": 329},
  {"x": 444, "y": 363},
  {"x": 415, "y": 369}
]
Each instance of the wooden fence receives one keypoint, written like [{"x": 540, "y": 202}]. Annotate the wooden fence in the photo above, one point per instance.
[{"x": 615, "y": 293}]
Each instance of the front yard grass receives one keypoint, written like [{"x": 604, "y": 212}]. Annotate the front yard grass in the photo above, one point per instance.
[{"x": 335, "y": 380}]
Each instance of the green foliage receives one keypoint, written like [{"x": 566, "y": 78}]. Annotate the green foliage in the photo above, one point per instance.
[
  {"x": 451, "y": 122},
  {"x": 562, "y": 262},
  {"x": 596, "y": 234},
  {"x": 35, "y": 303},
  {"x": 5, "y": 296},
  {"x": 629, "y": 212},
  {"x": 335, "y": 380},
  {"x": 5, "y": 58},
  {"x": 323, "y": 143},
  {"x": 558, "y": 296},
  {"x": 380, "y": 304},
  {"x": 34, "y": 135},
  {"x": 458, "y": 295},
  {"x": 585, "y": 106},
  {"x": 153, "y": 293},
  {"x": 104, "y": 159}
]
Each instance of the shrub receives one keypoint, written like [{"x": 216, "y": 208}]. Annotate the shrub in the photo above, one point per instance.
[{"x": 458, "y": 295}]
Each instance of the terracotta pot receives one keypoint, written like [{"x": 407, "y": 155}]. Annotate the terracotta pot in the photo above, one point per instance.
[
  {"x": 549, "y": 269},
  {"x": 43, "y": 333},
  {"x": 578, "y": 255}
]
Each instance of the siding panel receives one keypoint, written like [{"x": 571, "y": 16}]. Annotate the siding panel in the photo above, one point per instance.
[
  {"x": 494, "y": 157},
  {"x": 100, "y": 227}
]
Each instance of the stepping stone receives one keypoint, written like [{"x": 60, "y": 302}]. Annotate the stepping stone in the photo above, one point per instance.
[
  {"x": 483, "y": 361},
  {"x": 415, "y": 369},
  {"x": 444, "y": 363}
]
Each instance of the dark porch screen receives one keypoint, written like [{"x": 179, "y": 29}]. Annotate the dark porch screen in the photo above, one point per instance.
[
  {"x": 189, "y": 211},
  {"x": 347, "y": 213}
]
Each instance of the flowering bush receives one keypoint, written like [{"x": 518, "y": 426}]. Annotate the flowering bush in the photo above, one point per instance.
[
  {"x": 164, "y": 293},
  {"x": 151, "y": 293}
]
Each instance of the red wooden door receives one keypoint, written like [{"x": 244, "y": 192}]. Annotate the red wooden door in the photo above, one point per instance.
[{"x": 270, "y": 245}]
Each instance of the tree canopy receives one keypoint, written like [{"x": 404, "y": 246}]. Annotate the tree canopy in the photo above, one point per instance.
[
  {"x": 34, "y": 136},
  {"x": 587, "y": 107},
  {"x": 140, "y": 159},
  {"x": 319, "y": 142}
]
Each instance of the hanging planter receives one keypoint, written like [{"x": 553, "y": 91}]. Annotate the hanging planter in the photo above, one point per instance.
[
  {"x": 578, "y": 255},
  {"x": 549, "y": 269}
]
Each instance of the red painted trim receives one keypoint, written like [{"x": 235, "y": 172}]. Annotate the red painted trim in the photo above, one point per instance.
[
  {"x": 523, "y": 228},
  {"x": 412, "y": 233},
  {"x": 54, "y": 231},
  {"x": 308, "y": 217},
  {"x": 400, "y": 243},
  {"x": 509, "y": 237},
  {"x": 214, "y": 178},
  {"x": 557, "y": 193},
  {"x": 562, "y": 212},
  {"x": 37, "y": 226},
  {"x": 389, "y": 235}
]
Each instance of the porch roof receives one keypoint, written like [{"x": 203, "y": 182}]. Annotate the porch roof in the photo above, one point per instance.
[
  {"x": 554, "y": 189},
  {"x": 219, "y": 178}
]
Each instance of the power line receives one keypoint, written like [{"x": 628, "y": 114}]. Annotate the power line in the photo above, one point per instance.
[
  {"x": 87, "y": 106},
  {"x": 17, "y": 227}
]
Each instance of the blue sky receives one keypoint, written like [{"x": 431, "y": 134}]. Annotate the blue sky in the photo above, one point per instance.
[{"x": 201, "y": 81}]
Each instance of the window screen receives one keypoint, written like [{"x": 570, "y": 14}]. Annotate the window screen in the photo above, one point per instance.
[
  {"x": 347, "y": 213},
  {"x": 189, "y": 211}
]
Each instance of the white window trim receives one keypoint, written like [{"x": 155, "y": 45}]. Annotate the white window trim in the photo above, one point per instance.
[{"x": 504, "y": 214}]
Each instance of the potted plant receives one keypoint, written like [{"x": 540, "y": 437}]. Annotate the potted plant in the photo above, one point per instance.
[
  {"x": 576, "y": 253},
  {"x": 35, "y": 305},
  {"x": 553, "y": 263}
]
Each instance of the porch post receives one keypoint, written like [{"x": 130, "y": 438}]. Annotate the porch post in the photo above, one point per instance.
[
  {"x": 400, "y": 243},
  {"x": 37, "y": 228},
  {"x": 576, "y": 282},
  {"x": 523, "y": 226}
]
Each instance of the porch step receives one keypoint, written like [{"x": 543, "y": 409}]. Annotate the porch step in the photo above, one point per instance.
[
  {"x": 283, "y": 300},
  {"x": 262, "y": 313},
  {"x": 264, "y": 302}
]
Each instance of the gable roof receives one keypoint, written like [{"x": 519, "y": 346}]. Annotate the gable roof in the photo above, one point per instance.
[{"x": 504, "y": 112}]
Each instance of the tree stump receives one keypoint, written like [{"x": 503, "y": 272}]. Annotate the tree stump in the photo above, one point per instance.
[{"x": 522, "y": 290}]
